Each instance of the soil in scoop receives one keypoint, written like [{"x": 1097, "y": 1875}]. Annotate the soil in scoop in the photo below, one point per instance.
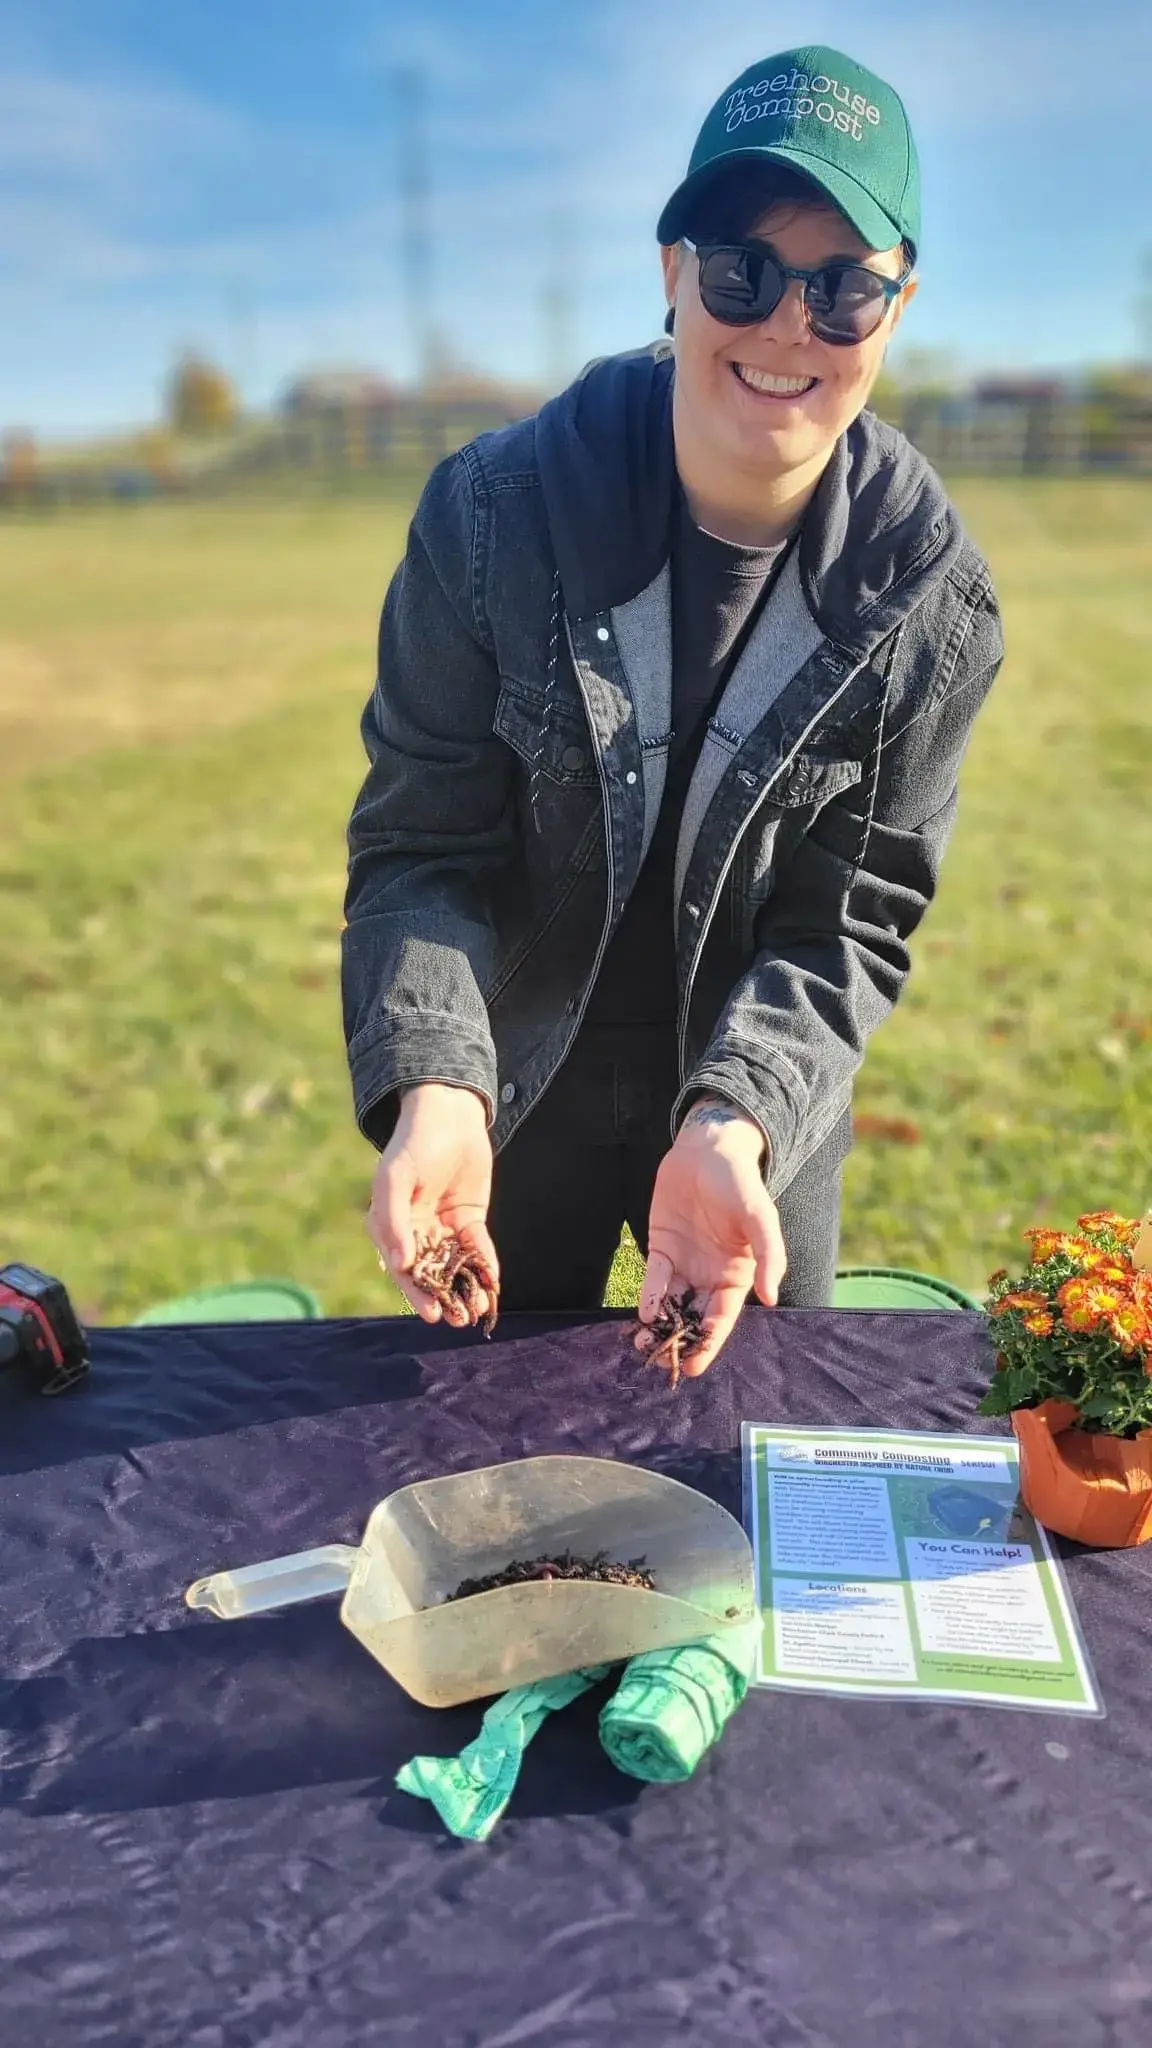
[{"x": 596, "y": 1570}]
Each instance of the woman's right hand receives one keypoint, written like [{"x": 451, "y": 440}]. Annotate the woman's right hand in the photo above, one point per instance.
[{"x": 434, "y": 1180}]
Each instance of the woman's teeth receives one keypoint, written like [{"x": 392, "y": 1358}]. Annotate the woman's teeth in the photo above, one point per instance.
[{"x": 777, "y": 387}]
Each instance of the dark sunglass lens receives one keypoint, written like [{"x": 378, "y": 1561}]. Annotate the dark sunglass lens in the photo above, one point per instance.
[
  {"x": 739, "y": 286},
  {"x": 846, "y": 303}
]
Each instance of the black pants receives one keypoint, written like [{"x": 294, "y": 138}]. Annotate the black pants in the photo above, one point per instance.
[{"x": 585, "y": 1160}]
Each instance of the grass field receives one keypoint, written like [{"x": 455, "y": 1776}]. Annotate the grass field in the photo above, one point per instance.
[{"x": 179, "y": 694}]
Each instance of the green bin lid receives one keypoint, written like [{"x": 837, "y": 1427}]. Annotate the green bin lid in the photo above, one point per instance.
[
  {"x": 245, "y": 1301},
  {"x": 892, "y": 1288}
]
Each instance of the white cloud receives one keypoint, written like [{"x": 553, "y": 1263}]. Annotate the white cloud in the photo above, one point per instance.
[
  {"x": 957, "y": 70},
  {"x": 63, "y": 127}
]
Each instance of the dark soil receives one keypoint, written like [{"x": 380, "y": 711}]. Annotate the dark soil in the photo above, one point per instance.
[
  {"x": 596, "y": 1570},
  {"x": 456, "y": 1277},
  {"x": 676, "y": 1331}
]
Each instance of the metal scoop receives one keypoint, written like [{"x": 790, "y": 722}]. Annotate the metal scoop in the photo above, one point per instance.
[{"x": 423, "y": 1541}]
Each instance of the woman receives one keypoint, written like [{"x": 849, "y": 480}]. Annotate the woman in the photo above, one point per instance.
[{"x": 674, "y": 686}]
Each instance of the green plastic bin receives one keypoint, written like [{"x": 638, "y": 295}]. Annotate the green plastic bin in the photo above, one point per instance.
[
  {"x": 890, "y": 1287},
  {"x": 245, "y": 1301}
]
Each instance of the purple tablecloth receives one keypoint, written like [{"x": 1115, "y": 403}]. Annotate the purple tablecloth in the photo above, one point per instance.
[{"x": 199, "y": 1840}]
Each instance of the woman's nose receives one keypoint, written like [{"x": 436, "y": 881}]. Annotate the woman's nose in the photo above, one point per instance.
[{"x": 786, "y": 322}]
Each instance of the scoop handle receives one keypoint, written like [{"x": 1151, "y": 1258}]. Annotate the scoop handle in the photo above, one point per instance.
[{"x": 282, "y": 1582}]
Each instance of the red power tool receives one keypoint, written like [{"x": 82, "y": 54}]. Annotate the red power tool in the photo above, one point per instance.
[{"x": 39, "y": 1329}]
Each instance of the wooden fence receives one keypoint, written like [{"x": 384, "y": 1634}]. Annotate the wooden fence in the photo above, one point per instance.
[{"x": 1042, "y": 435}]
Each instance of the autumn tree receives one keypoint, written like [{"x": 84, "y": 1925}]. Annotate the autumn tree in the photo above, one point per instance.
[{"x": 201, "y": 399}]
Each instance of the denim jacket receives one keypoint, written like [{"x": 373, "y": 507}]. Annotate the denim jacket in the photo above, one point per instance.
[{"x": 517, "y": 738}]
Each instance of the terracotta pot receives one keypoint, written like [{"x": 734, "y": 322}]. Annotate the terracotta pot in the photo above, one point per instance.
[{"x": 1096, "y": 1489}]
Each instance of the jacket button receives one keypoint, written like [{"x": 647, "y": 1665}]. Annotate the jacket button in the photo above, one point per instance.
[
  {"x": 572, "y": 758},
  {"x": 693, "y": 909},
  {"x": 602, "y": 633},
  {"x": 630, "y": 777},
  {"x": 508, "y": 1092}
]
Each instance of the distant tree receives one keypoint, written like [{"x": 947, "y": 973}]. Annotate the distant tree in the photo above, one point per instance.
[
  {"x": 885, "y": 398},
  {"x": 926, "y": 371},
  {"x": 18, "y": 456},
  {"x": 201, "y": 400}
]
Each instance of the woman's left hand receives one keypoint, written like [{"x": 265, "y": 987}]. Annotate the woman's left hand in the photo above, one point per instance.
[{"x": 712, "y": 1228}]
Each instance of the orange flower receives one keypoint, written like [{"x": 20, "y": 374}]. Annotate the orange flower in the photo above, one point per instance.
[
  {"x": 1039, "y": 1323},
  {"x": 995, "y": 1278},
  {"x": 1129, "y": 1326},
  {"x": 1085, "y": 1302},
  {"x": 1025, "y": 1298},
  {"x": 1107, "y": 1219},
  {"x": 1107, "y": 1266},
  {"x": 1047, "y": 1244},
  {"x": 1107, "y": 1301}
]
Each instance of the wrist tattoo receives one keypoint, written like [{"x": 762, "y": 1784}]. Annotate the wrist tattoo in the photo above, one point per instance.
[{"x": 714, "y": 1109}]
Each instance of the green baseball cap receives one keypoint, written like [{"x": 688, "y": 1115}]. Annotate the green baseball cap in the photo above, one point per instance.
[{"x": 825, "y": 116}]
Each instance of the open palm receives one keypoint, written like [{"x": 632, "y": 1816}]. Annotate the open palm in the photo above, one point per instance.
[
  {"x": 434, "y": 1180},
  {"x": 713, "y": 1230}
]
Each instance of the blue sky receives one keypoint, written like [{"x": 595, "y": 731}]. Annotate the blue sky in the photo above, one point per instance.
[{"x": 222, "y": 174}]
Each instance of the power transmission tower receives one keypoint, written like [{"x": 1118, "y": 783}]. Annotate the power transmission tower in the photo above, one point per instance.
[
  {"x": 242, "y": 322},
  {"x": 416, "y": 220},
  {"x": 558, "y": 306},
  {"x": 1144, "y": 314}
]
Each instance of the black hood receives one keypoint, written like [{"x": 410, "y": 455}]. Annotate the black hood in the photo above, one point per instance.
[
  {"x": 879, "y": 532},
  {"x": 608, "y": 470}
]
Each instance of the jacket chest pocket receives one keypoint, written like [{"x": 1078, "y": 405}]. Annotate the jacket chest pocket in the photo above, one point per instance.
[
  {"x": 560, "y": 745},
  {"x": 775, "y": 834},
  {"x": 814, "y": 779}
]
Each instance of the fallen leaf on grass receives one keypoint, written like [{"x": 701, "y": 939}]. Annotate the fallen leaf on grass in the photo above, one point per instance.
[
  {"x": 266, "y": 1098},
  {"x": 886, "y": 1130}
]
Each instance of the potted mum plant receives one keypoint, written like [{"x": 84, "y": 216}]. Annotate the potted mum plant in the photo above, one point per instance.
[{"x": 1074, "y": 1371}]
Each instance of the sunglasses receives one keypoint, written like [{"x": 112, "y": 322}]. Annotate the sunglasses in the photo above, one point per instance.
[{"x": 742, "y": 283}]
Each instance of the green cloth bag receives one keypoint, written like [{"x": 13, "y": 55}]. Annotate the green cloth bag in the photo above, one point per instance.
[
  {"x": 471, "y": 1791},
  {"x": 672, "y": 1705},
  {"x": 670, "y": 1708}
]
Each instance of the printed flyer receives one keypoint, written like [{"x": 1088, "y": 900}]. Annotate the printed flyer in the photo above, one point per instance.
[{"x": 897, "y": 1565}]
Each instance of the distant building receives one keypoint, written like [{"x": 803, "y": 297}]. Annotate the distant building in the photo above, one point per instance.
[
  {"x": 466, "y": 390},
  {"x": 345, "y": 418},
  {"x": 321, "y": 392},
  {"x": 1022, "y": 391}
]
